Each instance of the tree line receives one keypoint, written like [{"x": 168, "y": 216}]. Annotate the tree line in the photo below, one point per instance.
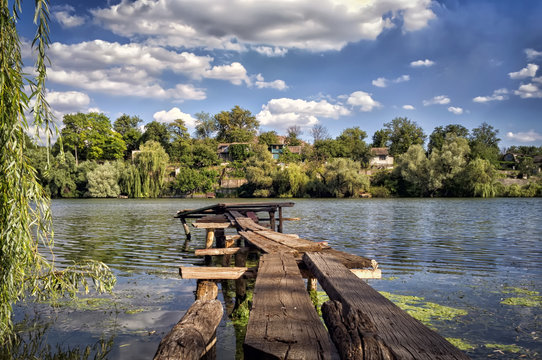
[{"x": 96, "y": 158}]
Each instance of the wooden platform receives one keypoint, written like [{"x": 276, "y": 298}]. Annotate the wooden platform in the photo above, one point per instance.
[{"x": 283, "y": 323}]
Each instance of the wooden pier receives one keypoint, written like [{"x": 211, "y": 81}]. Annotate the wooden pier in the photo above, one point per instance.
[{"x": 283, "y": 322}]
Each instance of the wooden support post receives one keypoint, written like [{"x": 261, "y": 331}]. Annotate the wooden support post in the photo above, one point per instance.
[
  {"x": 226, "y": 258},
  {"x": 190, "y": 338},
  {"x": 209, "y": 244},
  {"x": 187, "y": 233},
  {"x": 240, "y": 284},
  {"x": 220, "y": 238},
  {"x": 216, "y": 273},
  {"x": 312, "y": 284},
  {"x": 281, "y": 220},
  {"x": 272, "y": 222},
  {"x": 206, "y": 290}
]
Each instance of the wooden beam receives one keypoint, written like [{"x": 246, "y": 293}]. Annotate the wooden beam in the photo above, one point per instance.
[
  {"x": 281, "y": 221},
  {"x": 365, "y": 325},
  {"x": 264, "y": 244},
  {"x": 351, "y": 261},
  {"x": 290, "y": 241},
  {"x": 283, "y": 323},
  {"x": 218, "y": 251},
  {"x": 216, "y": 273},
  {"x": 222, "y": 225},
  {"x": 209, "y": 238},
  {"x": 190, "y": 337}
]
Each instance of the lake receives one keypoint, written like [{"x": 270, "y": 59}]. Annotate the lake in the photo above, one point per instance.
[{"x": 481, "y": 258}]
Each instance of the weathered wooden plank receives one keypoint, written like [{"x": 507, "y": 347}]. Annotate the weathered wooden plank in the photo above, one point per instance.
[
  {"x": 208, "y": 225},
  {"x": 366, "y": 325},
  {"x": 256, "y": 204},
  {"x": 206, "y": 290},
  {"x": 264, "y": 244},
  {"x": 190, "y": 336},
  {"x": 349, "y": 260},
  {"x": 202, "y": 210},
  {"x": 290, "y": 241},
  {"x": 216, "y": 273},
  {"x": 283, "y": 323},
  {"x": 218, "y": 251}
]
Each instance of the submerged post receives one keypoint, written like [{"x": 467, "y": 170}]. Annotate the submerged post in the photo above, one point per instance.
[{"x": 280, "y": 219}]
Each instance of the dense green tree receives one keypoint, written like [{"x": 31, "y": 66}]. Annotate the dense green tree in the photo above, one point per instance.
[
  {"x": 437, "y": 137},
  {"x": 260, "y": 171},
  {"x": 484, "y": 143},
  {"x": 268, "y": 138},
  {"x": 204, "y": 153},
  {"x": 103, "y": 181},
  {"x": 128, "y": 127},
  {"x": 152, "y": 161},
  {"x": 190, "y": 180},
  {"x": 525, "y": 150},
  {"x": 91, "y": 137},
  {"x": 413, "y": 168},
  {"x": 25, "y": 218},
  {"x": 206, "y": 125},
  {"x": 342, "y": 178},
  {"x": 446, "y": 163},
  {"x": 381, "y": 138},
  {"x": 130, "y": 181},
  {"x": 159, "y": 132},
  {"x": 326, "y": 149},
  {"x": 352, "y": 145},
  {"x": 237, "y": 125},
  {"x": 479, "y": 179},
  {"x": 402, "y": 134},
  {"x": 180, "y": 147},
  {"x": 527, "y": 167},
  {"x": 290, "y": 181}
]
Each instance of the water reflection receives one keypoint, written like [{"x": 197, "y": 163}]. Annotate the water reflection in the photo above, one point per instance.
[{"x": 455, "y": 252}]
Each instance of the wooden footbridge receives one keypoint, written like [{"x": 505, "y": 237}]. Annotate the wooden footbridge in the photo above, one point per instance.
[{"x": 283, "y": 323}]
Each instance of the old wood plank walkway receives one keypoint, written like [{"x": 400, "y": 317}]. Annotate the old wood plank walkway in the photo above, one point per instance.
[{"x": 283, "y": 323}]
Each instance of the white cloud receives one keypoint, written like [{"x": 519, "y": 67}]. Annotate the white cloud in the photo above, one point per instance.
[
  {"x": 437, "y": 100},
  {"x": 498, "y": 95},
  {"x": 455, "y": 110},
  {"x": 362, "y": 100},
  {"x": 68, "y": 101},
  {"x": 422, "y": 63},
  {"x": 529, "y": 71},
  {"x": 234, "y": 73},
  {"x": 529, "y": 91},
  {"x": 271, "y": 51},
  {"x": 409, "y": 107},
  {"x": 174, "y": 114},
  {"x": 303, "y": 24},
  {"x": 383, "y": 82},
  {"x": 528, "y": 136},
  {"x": 64, "y": 15},
  {"x": 286, "y": 112},
  {"x": 532, "y": 54},
  {"x": 260, "y": 83}
]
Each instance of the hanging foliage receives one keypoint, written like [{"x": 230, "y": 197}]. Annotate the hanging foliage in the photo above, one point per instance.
[{"x": 152, "y": 162}]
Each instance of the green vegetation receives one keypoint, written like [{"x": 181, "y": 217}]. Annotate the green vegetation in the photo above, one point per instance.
[
  {"x": 460, "y": 344},
  {"x": 507, "y": 348},
  {"x": 527, "y": 298}
]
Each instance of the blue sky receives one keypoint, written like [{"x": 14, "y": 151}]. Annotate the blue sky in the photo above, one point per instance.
[{"x": 336, "y": 63}]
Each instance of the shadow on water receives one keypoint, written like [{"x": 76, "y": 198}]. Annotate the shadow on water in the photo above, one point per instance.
[{"x": 459, "y": 253}]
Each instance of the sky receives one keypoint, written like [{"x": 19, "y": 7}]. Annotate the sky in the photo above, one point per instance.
[{"x": 336, "y": 63}]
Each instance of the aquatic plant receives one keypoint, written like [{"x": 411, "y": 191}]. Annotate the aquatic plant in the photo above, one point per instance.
[{"x": 460, "y": 344}]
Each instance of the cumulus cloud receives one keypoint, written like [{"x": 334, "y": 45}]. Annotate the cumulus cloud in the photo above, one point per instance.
[
  {"x": 455, "y": 110},
  {"x": 528, "y": 136},
  {"x": 67, "y": 101},
  {"x": 362, "y": 100},
  {"x": 532, "y": 54},
  {"x": 260, "y": 83},
  {"x": 174, "y": 114},
  {"x": 498, "y": 95},
  {"x": 64, "y": 15},
  {"x": 529, "y": 91},
  {"x": 285, "y": 112},
  {"x": 437, "y": 100},
  {"x": 239, "y": 25},
  {"x": 383, "y": 82},
  {"x": 409, "y": 107},
  {"x": 422, "y": 63},
  {"x": 529, "y": 71},
  {"x": 234, "y": 73}
]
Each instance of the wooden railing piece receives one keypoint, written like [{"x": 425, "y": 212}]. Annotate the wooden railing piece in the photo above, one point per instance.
[
  {"x": 264, "y": 244},
  {"x": 365, "y": 325},
  {"x": 209, "y": 225},
  {"x": 219, "y": 251},
  {"x": 189, "y": 337},
  {"x": 351, "y": 261},
  {"x": 216, "y": 273},
  {"x": 283, "y": 323}
]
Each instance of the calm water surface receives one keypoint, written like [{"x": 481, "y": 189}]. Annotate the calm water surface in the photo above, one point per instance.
[{"x": 463, "y": 253}]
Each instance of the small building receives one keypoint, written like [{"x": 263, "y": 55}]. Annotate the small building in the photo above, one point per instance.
[
  {"x": 223, "y": 150},
  {"x": 381, "y": 158},
  {"x": 277, "y": 149}
]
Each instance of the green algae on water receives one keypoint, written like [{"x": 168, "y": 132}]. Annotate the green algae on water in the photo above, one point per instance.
[
  {"x": 526, "y": 298},
  {"x": 507, "y": 348},
  {"x": 460, "y": 344},
  {"x": 422, "y": 310}
]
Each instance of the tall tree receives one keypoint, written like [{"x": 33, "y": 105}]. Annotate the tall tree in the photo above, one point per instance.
[
  {"x": 402, "y": 134},
  {"x": 484, "y": 143},
  {"x": 437, "y": 137},
  {"x": 352, "y": 144},
  {"x": 319, "y": 132},
  {"x": 25, "y": 219},
  {"x": 268, "y": 138},
  {"x": 206, "y": 125},
  {"x": 237, "y": 125},
  {"x": 128, "y": 127},
  {"x": 293, "y": 134},
  {"x": 159, "y": 132},
  {"x": 152, "y": 162},
  {"x": 381, "y": 138}
]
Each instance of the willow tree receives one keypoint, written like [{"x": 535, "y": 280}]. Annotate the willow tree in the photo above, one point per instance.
[
  {"x": 152, "y": 161},
  {"x": 25, "y": 218}
]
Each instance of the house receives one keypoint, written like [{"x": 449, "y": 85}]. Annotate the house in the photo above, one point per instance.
[
  {"x": 380, "y": 158},
  {"x": 277, "y": 149},
  {"x": 223, "y": 150}
]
